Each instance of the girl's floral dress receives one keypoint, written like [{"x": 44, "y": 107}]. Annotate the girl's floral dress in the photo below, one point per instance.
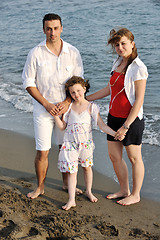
[{"x": 78, "y": 145}]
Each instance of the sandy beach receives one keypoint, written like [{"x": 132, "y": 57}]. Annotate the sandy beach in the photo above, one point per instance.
[{"x": 43, "y": 218}]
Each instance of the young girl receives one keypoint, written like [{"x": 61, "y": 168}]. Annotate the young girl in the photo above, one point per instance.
[{"x": 78, "y": 144}]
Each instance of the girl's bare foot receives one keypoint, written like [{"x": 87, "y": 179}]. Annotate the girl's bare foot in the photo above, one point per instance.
[
  {"x": 78, "y": 191},
  {"x": 91, "y": 197},
  {"x": 34, "y": 194},
  {"x": 69, "y": 205},
  {"x": 117, "y": 195},
  {"x": 129, "y": 200}
]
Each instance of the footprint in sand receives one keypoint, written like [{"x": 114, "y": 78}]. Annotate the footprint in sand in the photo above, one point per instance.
[
  {"x": 108, "y": 230},
  {"x": 33, "y": 232},
  {"x": 139, "y": 233},
  {"x": 8, "y": 227}
]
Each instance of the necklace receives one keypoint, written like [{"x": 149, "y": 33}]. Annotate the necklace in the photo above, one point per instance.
[
  {"x": 118, "y": 92},
  {"x": 111, "y": 85}
]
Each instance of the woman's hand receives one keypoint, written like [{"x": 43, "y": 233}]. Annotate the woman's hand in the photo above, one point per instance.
[{"x": 121, "y": 133}]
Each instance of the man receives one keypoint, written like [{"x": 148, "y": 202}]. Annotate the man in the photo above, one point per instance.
[{"x": 48, "y": 66}]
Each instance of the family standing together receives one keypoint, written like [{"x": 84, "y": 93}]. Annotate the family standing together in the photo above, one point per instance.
[{"x": 53, "y": 76}]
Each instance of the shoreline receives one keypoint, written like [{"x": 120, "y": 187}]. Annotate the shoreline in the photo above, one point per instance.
[
  {"x": 9, "y": 120},
  {"x": 43, "y": 218}
]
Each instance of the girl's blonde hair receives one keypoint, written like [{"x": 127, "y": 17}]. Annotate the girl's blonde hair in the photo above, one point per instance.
[
  {"x": 116, "y": 35},
  {"x": 76, "y": 80}
]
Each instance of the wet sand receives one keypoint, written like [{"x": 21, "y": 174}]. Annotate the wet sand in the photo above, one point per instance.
[{"x": 43, "y": 218}]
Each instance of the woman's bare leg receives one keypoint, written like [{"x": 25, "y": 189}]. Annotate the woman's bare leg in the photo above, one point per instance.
[
  {"x": 135, "y": 156},
  {"x": 115, "y": 150}
]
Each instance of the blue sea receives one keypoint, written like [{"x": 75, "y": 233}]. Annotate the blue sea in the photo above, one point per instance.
[{"x": 86, "y": 25}]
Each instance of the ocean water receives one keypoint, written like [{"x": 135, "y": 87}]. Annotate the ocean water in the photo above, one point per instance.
[{"x": 86, "y": 25}]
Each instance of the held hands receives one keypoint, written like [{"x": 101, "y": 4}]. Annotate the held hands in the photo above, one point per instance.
[
  {"x": 52, "y": 109},
  {"x": 63, "y": 106},
  {"x": 57, "y": 109},
  {"x": 121, "y": 133}
]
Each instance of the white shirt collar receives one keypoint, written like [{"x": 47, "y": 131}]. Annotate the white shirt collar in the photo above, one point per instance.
[{"x": 64, "y": 48}]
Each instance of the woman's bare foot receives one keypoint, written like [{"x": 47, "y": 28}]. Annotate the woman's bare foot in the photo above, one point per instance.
[
  {"x": 78, "y": 191},
  {"x": 69, "y": 205},
  {"x": 34, "y": 194},
  {"x": 129, "y": 200},
  {"x": 91, "y": 197},
  {"x": 117, "y": 195}
]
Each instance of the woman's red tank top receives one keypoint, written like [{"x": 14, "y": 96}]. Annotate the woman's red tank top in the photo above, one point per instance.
[{"x": 119, "y": 104}]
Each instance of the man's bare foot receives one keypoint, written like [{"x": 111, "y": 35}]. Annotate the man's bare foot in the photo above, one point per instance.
[
  {"x": 34, "y": 194},
  {"x": 117, "y": 195},
  {"x": 69, "y": 205},
  {"x": 65, "y": 188},
  {"x": 129, "y": 200},
  {"x": 91, "y": 197},
  {"x": 78, "y": 191}
]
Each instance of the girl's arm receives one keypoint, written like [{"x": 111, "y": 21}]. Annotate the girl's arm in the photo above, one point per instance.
[
  {"x": 104, "y": 92},
  {"x": 60, "y": 123},
  {"x": 140, "y": 86},
  {"x": 107, "y": 129},
  {"x": 104, "y": 127}
]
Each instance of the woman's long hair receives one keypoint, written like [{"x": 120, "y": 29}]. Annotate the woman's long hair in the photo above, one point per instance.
[{"x": 115, "y": 37}]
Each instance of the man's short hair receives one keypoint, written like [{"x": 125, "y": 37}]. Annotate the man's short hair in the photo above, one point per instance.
[{"x": 50, "y": 17}]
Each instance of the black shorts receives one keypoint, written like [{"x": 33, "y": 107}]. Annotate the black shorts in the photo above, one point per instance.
[{"x": 133, "y": 135}]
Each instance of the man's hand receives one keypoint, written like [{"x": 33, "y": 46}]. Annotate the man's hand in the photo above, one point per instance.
[
  {"x": 52, "y": 109},
  {"x": 63, "y": 106}
]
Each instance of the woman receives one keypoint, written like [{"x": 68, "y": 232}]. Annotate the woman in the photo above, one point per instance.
[{"x": 127, "y": 88}]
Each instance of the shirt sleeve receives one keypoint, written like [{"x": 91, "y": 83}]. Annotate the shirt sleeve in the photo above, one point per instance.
[
  {"x": 78, "y": 67},
  {"x": 141, "y": 74},
  {"x": 29, "y": 71},
  {"x": 94, "y": 114}
]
